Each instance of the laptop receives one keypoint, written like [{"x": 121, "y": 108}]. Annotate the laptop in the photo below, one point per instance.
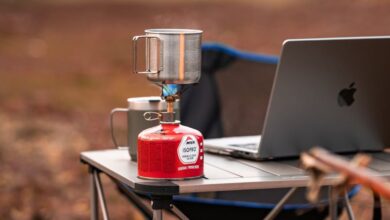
[{"x": 329, "y": 92}]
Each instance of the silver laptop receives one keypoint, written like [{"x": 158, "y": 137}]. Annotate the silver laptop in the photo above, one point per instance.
[{"x": 333, "y": 93}]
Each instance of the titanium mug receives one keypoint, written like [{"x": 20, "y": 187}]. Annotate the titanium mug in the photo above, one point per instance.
[
  {"x": 172, "y": 56},
  {"x": 136, "y": 121}
]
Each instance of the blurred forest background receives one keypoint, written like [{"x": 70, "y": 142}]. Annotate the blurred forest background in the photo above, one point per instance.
[{"x": 65, "y": 64}]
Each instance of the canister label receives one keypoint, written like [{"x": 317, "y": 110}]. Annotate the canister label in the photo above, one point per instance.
[{"x": 188, "y": 150}]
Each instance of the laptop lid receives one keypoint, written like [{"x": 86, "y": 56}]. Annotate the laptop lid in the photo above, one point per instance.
[{"x": 332, "y": 93}]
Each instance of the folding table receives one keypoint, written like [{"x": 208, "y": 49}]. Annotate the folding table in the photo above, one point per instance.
[{"x": 222, "y": 173}]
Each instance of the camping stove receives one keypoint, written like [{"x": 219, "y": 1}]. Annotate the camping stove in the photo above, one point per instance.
[{"x": 170, "y": 150}]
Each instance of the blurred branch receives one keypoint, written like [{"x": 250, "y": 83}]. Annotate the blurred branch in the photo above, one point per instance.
[{"x": 319, "y": 162}]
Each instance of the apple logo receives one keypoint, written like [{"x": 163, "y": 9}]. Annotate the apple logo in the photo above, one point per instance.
[{"x": 345, "y": 97}]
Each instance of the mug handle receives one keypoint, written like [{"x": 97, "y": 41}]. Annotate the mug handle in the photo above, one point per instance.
[
  {"x": 112, "y": 125},
  {"x": 147, "y": 71}
]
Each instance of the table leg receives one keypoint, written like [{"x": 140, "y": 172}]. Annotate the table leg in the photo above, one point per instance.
[
  {"x": 275, "y": 211},
  {"x": 136, "y": 200},
  {"x": 157, "y": 214},
  {"x": 93, "y": 203},
  {"x": 165, "y": 202},
  {"x": 178, "y": 213},
  {"x": 100, "y": 193},
  {"x": 348, "y": 207},
  {"x": 333, "y": 197},
  {"x": 158, "y": 204},
  {"x": 377, "y": 214}
]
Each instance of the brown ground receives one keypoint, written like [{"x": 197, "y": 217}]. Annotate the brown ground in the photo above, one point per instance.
[{"x": 63, "y": 67}]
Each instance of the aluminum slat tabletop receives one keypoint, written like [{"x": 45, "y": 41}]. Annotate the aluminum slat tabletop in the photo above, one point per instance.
[{"x": 222, "y": 173}]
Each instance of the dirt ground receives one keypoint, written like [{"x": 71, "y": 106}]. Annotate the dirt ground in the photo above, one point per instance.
[{"x": 65, "y": 65}]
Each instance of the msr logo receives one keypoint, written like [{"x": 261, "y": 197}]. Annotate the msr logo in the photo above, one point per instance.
[
  {"x": 188, "y": 150},
  {"x": 189, "y": 140}
]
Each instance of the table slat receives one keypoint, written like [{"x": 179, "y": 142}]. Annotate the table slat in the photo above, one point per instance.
[
  {"x": 276, "y": 168},
  {"x": 211, "y": 172},
  {"x": 231, "y": 165}
]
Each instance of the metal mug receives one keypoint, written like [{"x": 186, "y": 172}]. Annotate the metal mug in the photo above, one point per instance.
[
  {"x": 172, "y": 56},
  {"x": 136, "y": 121}
]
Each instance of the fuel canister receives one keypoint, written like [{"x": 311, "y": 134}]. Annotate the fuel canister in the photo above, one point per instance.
[{"x": 170, "y": 150}]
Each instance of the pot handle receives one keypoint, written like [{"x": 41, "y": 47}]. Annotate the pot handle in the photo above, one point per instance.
[
  {"x": 147, "y": 51},
  {"x": 113, "y": 111}
]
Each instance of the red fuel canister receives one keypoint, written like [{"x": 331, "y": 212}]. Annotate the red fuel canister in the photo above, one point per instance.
[{"x": 170, "y": 151}]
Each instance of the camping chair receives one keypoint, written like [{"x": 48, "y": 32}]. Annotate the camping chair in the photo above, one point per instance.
[{"x": 233, "y": 94}]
